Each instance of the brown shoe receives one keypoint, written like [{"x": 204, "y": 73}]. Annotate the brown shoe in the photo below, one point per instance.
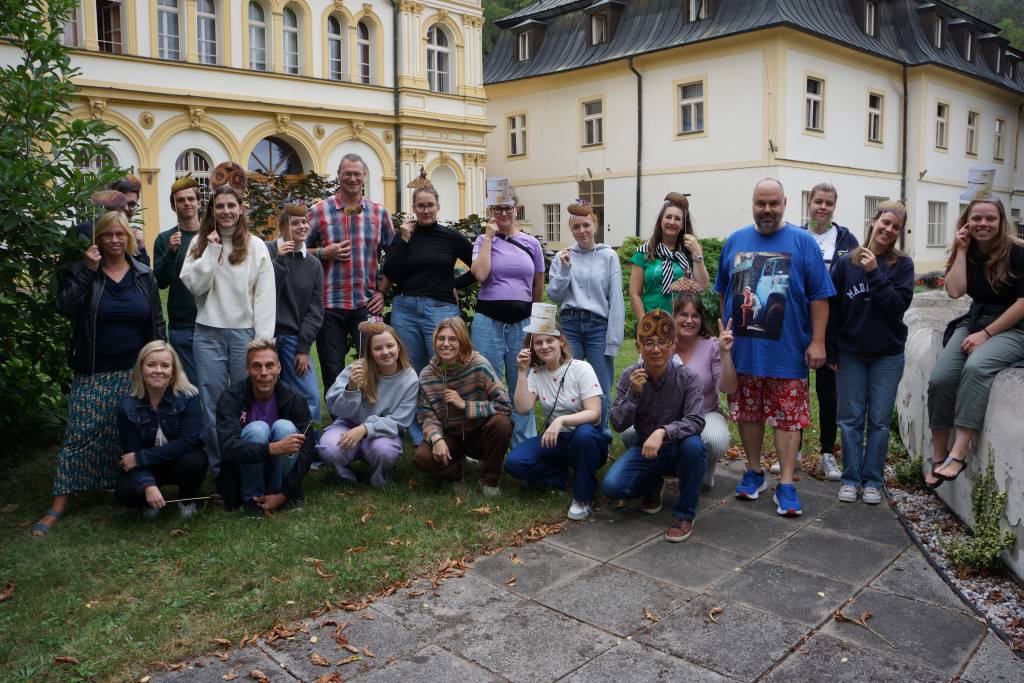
[
  {"x": 651, "y": 504},
  {"x": 679, "y": 530}
]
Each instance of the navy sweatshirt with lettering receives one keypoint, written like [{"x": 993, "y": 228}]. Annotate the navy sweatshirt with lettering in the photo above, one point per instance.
[{"x": 866, "y": 314}]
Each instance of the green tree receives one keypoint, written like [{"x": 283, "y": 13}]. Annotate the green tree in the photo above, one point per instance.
[
  {"x": 1008, "y": 15},
  {"x": 494, "y": 10},
  {"x": 43, "y": 193}
]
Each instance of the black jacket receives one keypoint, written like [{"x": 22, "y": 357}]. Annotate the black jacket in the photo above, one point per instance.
[
  {"x": 233, "y": 410},
  {"x": 846, "y": 242},
  {"x": 78, "y": 298}
]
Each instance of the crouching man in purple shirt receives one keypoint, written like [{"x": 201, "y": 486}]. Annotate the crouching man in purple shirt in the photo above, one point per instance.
[{"x": 664, "y": 403}]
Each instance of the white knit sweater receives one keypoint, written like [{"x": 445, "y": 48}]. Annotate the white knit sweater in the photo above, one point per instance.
[{"x": 233, "y": 296}]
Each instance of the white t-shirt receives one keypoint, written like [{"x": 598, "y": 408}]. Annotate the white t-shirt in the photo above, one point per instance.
[
  {"x": 827, "y": 242},
  {"x": 577, "y": 381}
]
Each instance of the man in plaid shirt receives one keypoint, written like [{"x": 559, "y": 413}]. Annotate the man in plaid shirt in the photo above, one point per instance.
[{"x": 348, "y": 233}]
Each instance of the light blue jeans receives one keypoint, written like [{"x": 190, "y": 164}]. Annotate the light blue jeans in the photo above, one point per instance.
[
  {"x": 499, "y": 343},
  {"x": 586, "y": 334},
  {"x": 266, "y": 477},
  {"x": 306, "y": 385},
  {"x": 220, "y": 362},
  {"x": 867, "y": 393},
  {"x": 181, "y": 340}
]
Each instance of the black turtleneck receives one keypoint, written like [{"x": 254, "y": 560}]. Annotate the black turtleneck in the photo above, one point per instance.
[{"x": 424, "y": 266}]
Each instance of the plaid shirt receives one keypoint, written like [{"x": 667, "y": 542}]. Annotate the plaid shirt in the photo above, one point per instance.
[{"x": 350, "y": 284}]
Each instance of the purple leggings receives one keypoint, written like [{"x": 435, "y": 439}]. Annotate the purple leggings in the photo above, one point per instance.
[{"x": 380, "y": 454}]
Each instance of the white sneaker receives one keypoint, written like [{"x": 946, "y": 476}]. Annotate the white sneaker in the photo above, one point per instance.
[
  {"x": 829, "y": 467},
  {"x": 848, "y": 494},
  {"x": 187, "y": 510},
  {"x": 871, "y": 495},
  {"x": 490, "y": 491},
  {"x": 578, "y": 510},
  {"x": 776, "y": 468}
]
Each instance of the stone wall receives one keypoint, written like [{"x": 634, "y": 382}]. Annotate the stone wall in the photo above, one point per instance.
[{"x": 1004, "y": 420}]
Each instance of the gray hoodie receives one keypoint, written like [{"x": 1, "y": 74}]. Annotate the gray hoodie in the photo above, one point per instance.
[
  {"x": 592, "y": 281},
  {"x": 395, "y": 406}
]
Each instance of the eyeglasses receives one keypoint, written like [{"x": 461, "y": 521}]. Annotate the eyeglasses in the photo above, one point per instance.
[
  {"x": 660, "y": 343},
  {"x": 503, "y": 209},
  {"x": 133, "y": 205}
]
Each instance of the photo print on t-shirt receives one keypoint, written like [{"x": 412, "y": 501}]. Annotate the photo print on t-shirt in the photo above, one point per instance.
[{"x": 760, "y": 285}]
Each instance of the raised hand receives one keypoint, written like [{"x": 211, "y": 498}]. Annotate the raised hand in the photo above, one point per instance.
[
  {"x": 175, "y": 241},
  {"x": 92, "y": 258},
  {"x": 637, "y": 380},
  {"x": 523, "y": 359},
  {"x": 356, "y": 376},
  {"x": 725, "y": 338},
  {"x": 491, "y": 229}
]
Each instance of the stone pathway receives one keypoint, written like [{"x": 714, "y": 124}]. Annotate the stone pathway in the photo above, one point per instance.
[{"x": 576, "y": 609}]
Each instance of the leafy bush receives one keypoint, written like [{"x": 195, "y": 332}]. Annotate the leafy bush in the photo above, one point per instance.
[
  {"x": 982, "y": 550},
  {"x": 43, "y": 193},
  {"x": 266, "y": 197}
]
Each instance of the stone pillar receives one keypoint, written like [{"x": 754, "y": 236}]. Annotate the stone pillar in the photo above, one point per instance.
[
  {"x": 150, "y": 199},
  {"x": 191, "y": 32},
  {"x": 276, "y": 39},
  {"x": 89, "y": 25}
]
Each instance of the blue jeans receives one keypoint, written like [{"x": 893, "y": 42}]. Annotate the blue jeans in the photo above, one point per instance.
[
  {"x": 499, "y": 343},
  {"x": 266, "y": 477},
  {"x": 306, "y": 385},
  {"x": 586, "y": 334},
  {"x": 220, "y": 362},
  {"x": 867, "y": 392},
  {"x": 634, "y": 476},
  {"x": 181, "y": 340},
  {"x": 583, "y": 450},
  {"x": 415, "y": 318}
]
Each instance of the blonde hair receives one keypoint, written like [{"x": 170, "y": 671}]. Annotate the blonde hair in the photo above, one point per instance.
[
  {"x": 179, "y": 384},
  {"x": 997, "y": 266},
  {"x": 260, "y": 344},
  {"x": 458, "y": 326},
  {"x": 370, "y": 374},
  {"x": 116, "y": 219},
  {"x": 566, "y": 353}
]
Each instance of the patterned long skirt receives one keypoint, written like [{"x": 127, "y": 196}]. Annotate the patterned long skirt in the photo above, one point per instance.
[{"x": 91, "y": 451}]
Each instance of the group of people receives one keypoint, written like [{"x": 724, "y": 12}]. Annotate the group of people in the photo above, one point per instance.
[{"x": 229, "y": 386}]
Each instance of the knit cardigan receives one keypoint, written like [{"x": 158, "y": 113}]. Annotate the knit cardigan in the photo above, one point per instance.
[{"x": 477, "y": 384}]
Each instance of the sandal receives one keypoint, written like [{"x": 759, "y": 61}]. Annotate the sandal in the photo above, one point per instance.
[
  {"x": 944, "y": 477},
  {"x": 44, "y": 529},
  {"x": 932, "y": 485}
]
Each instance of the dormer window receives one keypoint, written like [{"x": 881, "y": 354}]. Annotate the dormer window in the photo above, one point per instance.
[
  {"x": 529, "y": 35},
  {"x": 602, "y": 18},
  {"x": 523, "y": 46},
  {"x": 999, "y": 60},
  {"x": 969, "y": 46},
  {"x": 939, "y": 32},
  {"x": 695, "y": 9},
  {"x": 598, "y": 29},
  {"x": 871, "y": 18}
]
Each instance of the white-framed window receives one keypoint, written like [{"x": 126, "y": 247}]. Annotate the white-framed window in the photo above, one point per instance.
[
  {"x": 997, "y": 141},
  {"x": 206, "y": 31},
  {"x": 972, "y": 133},
  {"x": 290, "y": 43},
  {"x": 168, "y": 32},
  {"x": 363, "y": 51},
  {"x": 870, "y": 206},
  {"x": 691, "y": 108},
  {"x": 805, "y": 215},
  {"x": 520, "y": 213},
  {"x": 999, "y": 60},
  {"x": 969, "y": 46},
  {"x": 696, "y": 9},
  {"x": 876, "y": 103},
  {"x": 1016, "y": 224},
  {"x": 108, "y": 26},
  {"x": 72, "y": 36},
  {"x": 257, "y": 37},
  {"x": 814, "y": 105},
  {"x": 598, "y": 28},
  {"x": 942, "y": 125},
  {"x": 516, "y": 124},
  {"x": 523, "y": 46},
  {"x": 871, "y": 18},
  {"x": 335, "y": 49},
  {"x": 939, "y": 31},
  {"x": 937, "y": 224},
  {"x": 438, "y": 59},
  {"x": 195, "y": 163},
  {"x": 593, "y": 122},
  {"x": 552, "y": 222}
]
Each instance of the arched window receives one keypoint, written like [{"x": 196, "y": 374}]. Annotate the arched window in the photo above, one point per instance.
[
  {"x": 196, "y": 163},
  {"x": 335, "y": 49},
  {"x": 290, "y": 41},
  {"x": 438, "y": 59},
  {"x": 257, "y": 37},
  {"x": 206, "y": 31},
  {"x": 363, "y": 52},
  {"x": 274, "y": 156},
  {"x": 97, "y": 162},
  {"x": 168, "y": 33}
]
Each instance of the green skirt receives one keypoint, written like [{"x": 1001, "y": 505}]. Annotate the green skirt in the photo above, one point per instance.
[{"x": 89, "y": 457}]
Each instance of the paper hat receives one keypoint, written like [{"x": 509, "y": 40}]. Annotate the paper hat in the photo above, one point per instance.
[
  {"x": 229, "y": 173},
  {"x": 110, "y": 200},
  {"x": 542, "y": 320},
  {"x": 186, "y": 182},
  {"x": 129, "y": 183},
  {"x": 421, "y": 182},
  {"x": 656, "y": 323},
  {"x": 980, "y": 180},
  {"x": 500, "y": 193}
]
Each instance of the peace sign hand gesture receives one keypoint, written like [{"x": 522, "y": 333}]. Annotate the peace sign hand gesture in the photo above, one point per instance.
[{"x": 725, "y": 338}]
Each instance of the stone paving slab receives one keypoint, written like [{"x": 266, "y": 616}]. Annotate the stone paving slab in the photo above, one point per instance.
[
  {"x": 912, "y": 577},
  {"x": 432, "y": 663},
  {"x": 531, "y": 643},
  {"x": 614, "y": 599},
  {"x": 743, "y": 644},
  {"x": 931, "y": 636},
  {"x": 692, "y": 565},
  {"x": 813, "y": 503},
  {"x": 993, "y": 663},
  {"x": 871, "y": 522},
  {"x": 631, "y": 661},
  {"x": 542, "y": 566},
  {"x": 734, "y": 528},
  {"x": 240, "y": 662},
  {"x": 788, "y": 592},
  {"x": 853, "y": 560},
  {"x": 610, "y": 532}
]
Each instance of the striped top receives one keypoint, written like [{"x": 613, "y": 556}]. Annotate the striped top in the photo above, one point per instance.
[
  {"x": 349, "y": 284},
  {"x": 477, "y": 384}
]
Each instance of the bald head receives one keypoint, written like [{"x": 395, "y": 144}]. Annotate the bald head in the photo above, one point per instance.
[
  {"x": 769, "y": 206},
  {"x": 770, "y": 181}
]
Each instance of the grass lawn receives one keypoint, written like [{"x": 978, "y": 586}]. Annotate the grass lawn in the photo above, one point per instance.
[{"x": 117, "y": 592}]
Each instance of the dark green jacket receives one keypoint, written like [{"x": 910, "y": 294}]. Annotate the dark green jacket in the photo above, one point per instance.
[{"x": 181, "y": 305}]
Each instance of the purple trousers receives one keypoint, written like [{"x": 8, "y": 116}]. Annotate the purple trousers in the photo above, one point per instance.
[{"x": 380, "y": 454}]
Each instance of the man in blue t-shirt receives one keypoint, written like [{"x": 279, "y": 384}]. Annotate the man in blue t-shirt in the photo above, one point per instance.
[{"x": 774, "y": 285}]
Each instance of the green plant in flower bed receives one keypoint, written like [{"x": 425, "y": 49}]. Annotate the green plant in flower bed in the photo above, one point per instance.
[
  {"x": 982, "y": 549},
  {"x": 931, "y": 280}
]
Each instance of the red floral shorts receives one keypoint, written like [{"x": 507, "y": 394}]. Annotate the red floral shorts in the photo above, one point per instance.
[{"x": 778, "y": 402}]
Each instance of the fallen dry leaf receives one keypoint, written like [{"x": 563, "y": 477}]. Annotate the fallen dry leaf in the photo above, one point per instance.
[
  {"x": 177, "y": 532},
  {"x": 313, "y": 639},
  {"x": 233, "y": 674},
  {"x": 8, "y": 590},
  {"x": 65, "y": 659},
  {"x": 412, "y": 484},
  {"x": 430, "y": 523},
  {"x": 352, "y": 648},
  {"x": 416, "y": 594},
  {"x": 223, "y": 642},
  {"x": 359, "y": 549},
  {"x": 482, "y": 510},
  {"x": 318, "y": 566},
  {"x": 318, "y": 660},
  {"x": 511, "y": 581},
  {"x": 275, "y": 579},
  {"x": 458, "y": 502},
  {"x": 333, "y": 677},
  {"x": 10, "y": 507},
  {"x": 258, "y": 676},
  {"x": 714, "y": 612},
  {"x": 348, "y": 660},
  {"x": 619, "y": 504},
  {"x": 861, "y": 621},
  {"x": 366, "y": 651},
  {"x": 515, "y": 559},
  {"x": 651, "y": 615},
  {"x": 367, "y": 514},
  {"x": 145, "y": 679},
  {"x": 223, "y": 656}
]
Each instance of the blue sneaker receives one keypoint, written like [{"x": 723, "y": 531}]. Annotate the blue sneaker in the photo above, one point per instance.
[
  {"x": 751, "y": 485},
  {"x": 787, "y": 500}
]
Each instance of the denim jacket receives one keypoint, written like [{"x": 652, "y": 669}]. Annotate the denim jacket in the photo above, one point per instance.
[{"x": 180, "y": 419}]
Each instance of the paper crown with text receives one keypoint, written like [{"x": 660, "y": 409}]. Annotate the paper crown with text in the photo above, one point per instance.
[{"x": 980, "y": 180}]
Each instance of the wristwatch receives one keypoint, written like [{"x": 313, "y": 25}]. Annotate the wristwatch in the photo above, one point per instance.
[
  {"x": 434, "y": 439},
  {"x": 699, "y": 259}
]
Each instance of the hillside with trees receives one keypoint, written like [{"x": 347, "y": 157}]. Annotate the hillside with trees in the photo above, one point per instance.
[{"x": 1008, "y": 15}]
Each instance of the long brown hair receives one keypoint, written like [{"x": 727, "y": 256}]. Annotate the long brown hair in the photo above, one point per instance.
[
  {"x": 997, "y": 265},
  {"x": 239, "y": 240},
  {"x": 896, "y": 209},
  {"x": 680, "y": 202},
  {"x": 461, "y": 331},
  {"x": 694, "y": 300},
  {"x": 370, "y": 373}
]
